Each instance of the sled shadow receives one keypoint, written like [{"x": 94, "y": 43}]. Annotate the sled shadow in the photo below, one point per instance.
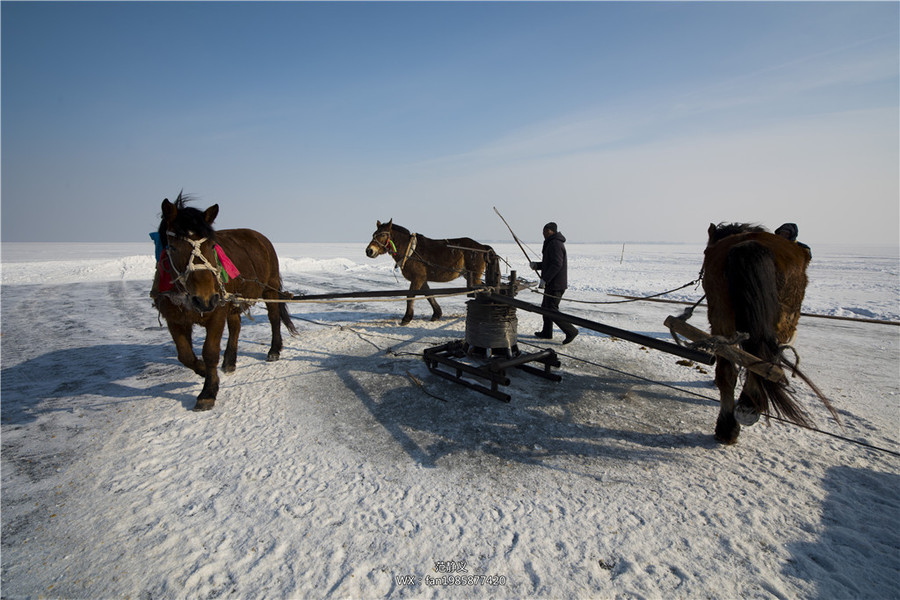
[{"x": 435, "y": 421}]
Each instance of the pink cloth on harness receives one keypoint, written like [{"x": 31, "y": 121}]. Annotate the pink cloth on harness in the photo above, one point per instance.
[
  {"x": 166, "y": 281},
  {"x": 226, "y": 263}
]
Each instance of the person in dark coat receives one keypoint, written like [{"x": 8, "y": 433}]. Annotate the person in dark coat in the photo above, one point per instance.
[
  {"x": 790, "y": 231},
  {"x": 554, "y": 275}
]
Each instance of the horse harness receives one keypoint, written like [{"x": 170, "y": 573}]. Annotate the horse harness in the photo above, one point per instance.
[
  {"x": 203, "y": 265},
  {"x": 391, "y": 248}
]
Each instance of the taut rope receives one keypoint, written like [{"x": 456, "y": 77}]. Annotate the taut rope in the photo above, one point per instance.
[
  {"x": 301, "y": 300},
  {"x": 681, "y": 287}
]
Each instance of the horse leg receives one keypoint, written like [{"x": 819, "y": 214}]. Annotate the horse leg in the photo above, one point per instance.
[
  {"x": 437, "y": 313},
  {"x": 751, "y": 402},
  {"x": 229, "y": 359},
  {"x": 475, "y": 271},
  {"x": 211, "y": 349},
  {"x": 727, "y": 428},
  {"x": 181, "y": 335},
  {"x": 408, "y": 316},
  {"x": 274, "y": 310}
]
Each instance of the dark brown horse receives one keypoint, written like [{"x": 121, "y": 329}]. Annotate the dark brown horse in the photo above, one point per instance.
[
  {"x": 422, "y": 259},
  {"x": 200, "y": 289},
  {"x": 754, "y": 283}
]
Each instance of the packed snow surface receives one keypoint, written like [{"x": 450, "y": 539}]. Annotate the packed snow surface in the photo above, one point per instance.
[{"x": 348, "y": 470}]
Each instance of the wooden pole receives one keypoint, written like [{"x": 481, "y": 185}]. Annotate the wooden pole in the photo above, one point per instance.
[
  {"x": 655, "y": 343},
  {"x": 764, "y": 369}
]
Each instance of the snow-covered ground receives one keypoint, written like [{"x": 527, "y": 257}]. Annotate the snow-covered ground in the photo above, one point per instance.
[{"x": 348, "y": 470}]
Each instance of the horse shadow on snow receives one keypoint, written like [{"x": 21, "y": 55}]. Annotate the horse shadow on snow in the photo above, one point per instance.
[
  {"x": 857, "y": 552},
  {"x": 93, "y": 377}
]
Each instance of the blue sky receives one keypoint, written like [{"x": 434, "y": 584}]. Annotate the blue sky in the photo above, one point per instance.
[{"x": 309, "y": 121}]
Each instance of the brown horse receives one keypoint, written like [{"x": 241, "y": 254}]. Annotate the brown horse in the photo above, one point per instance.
[
  {"x": 422, "y": 259},
  {"x": 754, "y": 283},
  {"x": 201, "y": 289}
]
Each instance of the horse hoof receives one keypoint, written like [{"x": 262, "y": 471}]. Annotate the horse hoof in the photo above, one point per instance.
[
  {"x": 728, "y": 441},
  {"x": 436, "y": 317},
  {"x": 405, "y": 321},
  {"x": 273, "y": 356},
  {"x": 727, "y": 431},
  {"x": 745, "y": 414},
  {"x": 228, "y": 368},
  {"x": 204, "y": 404}
]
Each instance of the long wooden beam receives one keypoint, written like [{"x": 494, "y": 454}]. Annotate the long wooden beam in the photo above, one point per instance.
[
  {"x": 655, "y": 343},
  {"x": 764, "y": 369}
]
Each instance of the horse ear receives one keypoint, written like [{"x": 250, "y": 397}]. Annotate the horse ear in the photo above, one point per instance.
[
  {"x": 211, "y": 213},
  {"x": 168, "y": 210},
  {"x": 711, "y": 232},
  {"x": 390, "y": 223},
  {"x": 377, "y": 223}
]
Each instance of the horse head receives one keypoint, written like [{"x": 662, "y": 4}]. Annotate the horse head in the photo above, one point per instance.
[
  {"x": 381, "y": 239},
  {"x": 191, "y": 243}
]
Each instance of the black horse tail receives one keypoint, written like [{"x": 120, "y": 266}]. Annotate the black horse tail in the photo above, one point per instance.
[
  {"x": 752, "y": 284},
  {"x": 285, "y": 315}
]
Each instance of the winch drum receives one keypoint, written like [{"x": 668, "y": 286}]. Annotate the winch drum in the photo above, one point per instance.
[{"x": 491, "y": 328}]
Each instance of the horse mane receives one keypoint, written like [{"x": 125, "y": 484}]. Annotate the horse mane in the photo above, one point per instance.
[
  {"x": 401, "y": 229},
  {"x": 723, "y": 230},
  {"x": 188, "y": 220}
]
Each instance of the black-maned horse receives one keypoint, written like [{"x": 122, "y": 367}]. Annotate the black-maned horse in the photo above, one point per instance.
[
  {"x": 754, "y": 283},
  {"x": 423, "y": 259},
  {"x": 200, "y": 290}
]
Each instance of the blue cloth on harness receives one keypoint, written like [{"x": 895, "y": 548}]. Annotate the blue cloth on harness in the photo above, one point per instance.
[{"x": 157, "y": 242}]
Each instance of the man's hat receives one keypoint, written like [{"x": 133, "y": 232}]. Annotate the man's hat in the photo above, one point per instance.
[{"x": 788, "y": 230}]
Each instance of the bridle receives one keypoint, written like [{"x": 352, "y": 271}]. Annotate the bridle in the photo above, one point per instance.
[
  {"x": 389, "y": 246},
  {"x": 203, "y": 265}
]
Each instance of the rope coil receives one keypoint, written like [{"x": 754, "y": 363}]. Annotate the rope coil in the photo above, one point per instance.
[{"x": 490, "y": 325}]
